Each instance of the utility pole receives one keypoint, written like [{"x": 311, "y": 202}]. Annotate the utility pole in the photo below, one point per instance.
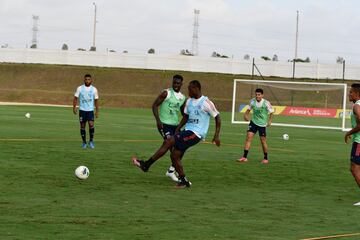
[
  {"x": 35, "y": 30},
  {"x": 296, "y": 43},
  {"x": 93, "y": 48},
  {"x": 195, "y": 47},
  {"x": 297, "y": 35}
]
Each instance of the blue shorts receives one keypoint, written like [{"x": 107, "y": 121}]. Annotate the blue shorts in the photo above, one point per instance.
[
  {"x": 185, "y": 139},
  {"x": 168, "y": 131},
  {"x": 355, "y": 153},
  {"x": 85, "y": 116},
  {"x": 254, "y": 128}
]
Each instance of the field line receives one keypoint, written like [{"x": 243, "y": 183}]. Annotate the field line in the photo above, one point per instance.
[
  {"x": 32, "y": 104},
  {"x": 334, "y": 236}
]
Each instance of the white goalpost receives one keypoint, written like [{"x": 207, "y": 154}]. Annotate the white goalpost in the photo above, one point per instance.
[{"x": 296, "y": 104}]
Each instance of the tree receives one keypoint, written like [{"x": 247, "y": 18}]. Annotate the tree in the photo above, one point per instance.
[
  {"x": 64, "y": 47},
  {"x": 275, "y": 58},
  {"x": 246, "y": 57},
  {"x": 5, "y": 45},
  {"x": 33, "y": 45},
  {"x": 112, "y": 50},
  {"x": 125, "y": 51},
  {"x": 93, "y": 49},
  {"x": 307, "y": 60},
  {"x": 186, "y": 52},
  {"x": 151, "y": 51},
  {"x": 340, "y": 60},
  {"x": 265, "y": 58},
  {"x": 81, "y": 49},
  {"x": 215, "y": 54}
]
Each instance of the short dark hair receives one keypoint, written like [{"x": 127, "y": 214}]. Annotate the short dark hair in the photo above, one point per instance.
[
  {"x": 259, "y": 90},
  {"x": 177, "y": 76},
  {"x": 87, "y": 75},
  {"x": 356, "y": 87},
  {"x": 196, "y": 83}
]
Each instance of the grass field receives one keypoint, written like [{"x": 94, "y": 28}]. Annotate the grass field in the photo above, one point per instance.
[{"x": 306, "y": 190}]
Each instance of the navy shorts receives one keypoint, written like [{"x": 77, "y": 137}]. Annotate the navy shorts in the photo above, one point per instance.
[
  {"x": 168, "y": 131},
  {"x": 355, "y": 153},
  {"x": 254, "y": 128},
  {"x": 85, "y": 116},
  {"x": 185, "y": 139}
]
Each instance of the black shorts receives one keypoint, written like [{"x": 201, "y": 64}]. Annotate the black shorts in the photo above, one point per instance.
[
  {"x": 355, "y": 153},
  {"x": 185, "y": 139},
  {"x": 168, "y": 131},
  {"x": 85, "y": 116},
  {"x": 254, "y": 128}
]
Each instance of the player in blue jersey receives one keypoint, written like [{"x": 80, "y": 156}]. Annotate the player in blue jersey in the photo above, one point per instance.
[
  {"x": 196, "y": 119},
  {"x": 88, "y": 98}
]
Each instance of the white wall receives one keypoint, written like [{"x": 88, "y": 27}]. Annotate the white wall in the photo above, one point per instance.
[{"x": 177, "y": 62}]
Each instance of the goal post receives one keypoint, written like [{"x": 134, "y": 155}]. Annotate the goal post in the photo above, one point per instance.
[{"x": 296, "y": 104}]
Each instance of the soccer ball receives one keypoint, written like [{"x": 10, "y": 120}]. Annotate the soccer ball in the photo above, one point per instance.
[
  {"x": 285, "y": 137},
  {"x": 82, "y": 172},
  {"x": 27, "y": 115}
]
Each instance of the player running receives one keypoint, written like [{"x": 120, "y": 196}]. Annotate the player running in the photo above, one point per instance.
[
  {"x": 354, "y": 96},
  {"x": 262, "y": 117},
  {"x": 171, "y": 102},
  {"x": 197, "y": 112},
  {"x": 88, "y": 97}
]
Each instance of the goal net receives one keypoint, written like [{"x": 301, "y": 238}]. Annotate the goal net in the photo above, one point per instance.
[{"x": 296, "y": 104}]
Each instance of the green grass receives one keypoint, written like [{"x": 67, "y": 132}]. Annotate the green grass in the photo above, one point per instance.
[{"x": 306, "y": 190}]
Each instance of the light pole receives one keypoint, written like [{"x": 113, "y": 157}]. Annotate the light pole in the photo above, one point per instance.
[{"x": 93, "y": 48}]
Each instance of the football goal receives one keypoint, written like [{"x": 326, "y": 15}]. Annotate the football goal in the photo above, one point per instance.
[{"x": 296, "y": 104}]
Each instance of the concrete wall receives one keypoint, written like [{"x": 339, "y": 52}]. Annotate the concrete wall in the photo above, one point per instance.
[{"x": 178, "y": 62}]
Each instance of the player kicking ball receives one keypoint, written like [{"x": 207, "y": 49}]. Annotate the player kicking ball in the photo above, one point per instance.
[
  {"x": 169, "y": 103},
  {"x": 88, "y": 96},
  {"x": 197, "y": 112},
  {"x": 262, "y": 117}
]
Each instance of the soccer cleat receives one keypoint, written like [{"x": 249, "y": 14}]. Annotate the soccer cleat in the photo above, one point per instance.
[
  {"x": 139, "y": 163},
  {"x": 265, "y": 161},
  {"x": 171, "y": 173},
  {"x": 183, "y": 183},
  {"x": 242, "y": 159},
  {"x": 83, "y": 146},
  {"x": 92, "y": 145},
  {"x": 357, "y": 204}
]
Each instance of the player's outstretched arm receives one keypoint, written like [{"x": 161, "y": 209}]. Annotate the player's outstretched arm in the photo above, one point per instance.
[
  {"x": 216, "y": 139},
  {"x": 247, "y": 115},
  {"x": 270, "y": 119},
  {"x": 74, "y": 105},
  {"x": 96, "y": 108},
  {"x": 158, "y": 101},
  {"x": 357, "y": 127}
]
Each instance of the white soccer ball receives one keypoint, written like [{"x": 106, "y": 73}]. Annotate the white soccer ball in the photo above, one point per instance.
[
  {"x": 285, "y": 137},
  {"x": 82, "y": 172},
  {"x": 27, "y": 115}
]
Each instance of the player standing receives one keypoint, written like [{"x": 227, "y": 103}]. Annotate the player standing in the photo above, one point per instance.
[
  {"x": 262, "y": 117},
  {"x": 88, "y": 98},
  {"x": 171, "y": 102},
  {"x": 196, "y": 119},
  {"x": 354, "y": 96}
]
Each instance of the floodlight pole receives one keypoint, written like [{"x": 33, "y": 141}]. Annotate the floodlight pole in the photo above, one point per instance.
[
  {"x": 296, "y": 42},
  {"x": 94, "y": 32}
]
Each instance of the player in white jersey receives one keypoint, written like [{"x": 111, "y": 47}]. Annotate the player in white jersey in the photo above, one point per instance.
[
  {"x": 197, "y": 112},
  {"x": 88, "y": 97}
]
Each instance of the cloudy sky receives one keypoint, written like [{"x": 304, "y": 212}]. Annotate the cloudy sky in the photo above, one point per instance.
[{"x": 327, "y": 28}]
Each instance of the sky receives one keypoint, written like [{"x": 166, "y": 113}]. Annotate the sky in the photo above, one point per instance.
[{"x": 327, "y": 28}]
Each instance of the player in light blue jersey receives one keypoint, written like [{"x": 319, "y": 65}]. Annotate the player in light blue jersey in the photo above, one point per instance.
[
  {"x": 196, "y": 118},
  {"x": 88, "y": 97}
]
